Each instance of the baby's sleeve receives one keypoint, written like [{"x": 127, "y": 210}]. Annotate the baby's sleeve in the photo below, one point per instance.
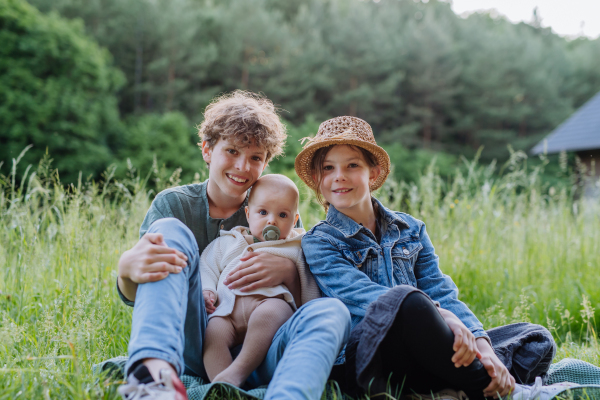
[
  {"x": 309, "y": 290},
  {"x": 210, "y": 265}
]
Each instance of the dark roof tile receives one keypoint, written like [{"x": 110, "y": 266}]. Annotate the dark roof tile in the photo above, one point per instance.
[{"x": 581, "y": 131}]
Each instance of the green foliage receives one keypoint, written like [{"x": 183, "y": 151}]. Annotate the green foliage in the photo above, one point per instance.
[
  {"x": 517, "y": 249},
  {"x": 408, "y": 165},
  {"x": 168, "y": 138},
  {"x": 423, "y": 77},
  {"x": 334, "y": 57},
  {"x": 57, "y": 92}
]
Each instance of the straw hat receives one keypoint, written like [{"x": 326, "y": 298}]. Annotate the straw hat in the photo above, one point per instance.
[{"x": 342, "y": 130}]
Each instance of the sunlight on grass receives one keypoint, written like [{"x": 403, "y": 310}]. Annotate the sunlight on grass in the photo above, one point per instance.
[{"x": 518, "y": 250}]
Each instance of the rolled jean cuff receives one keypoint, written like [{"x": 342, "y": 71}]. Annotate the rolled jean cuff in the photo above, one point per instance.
[{"x": 161, "y": 355}]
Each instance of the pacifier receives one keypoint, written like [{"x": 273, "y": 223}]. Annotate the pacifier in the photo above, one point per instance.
[{"x": 271, "y": 233}]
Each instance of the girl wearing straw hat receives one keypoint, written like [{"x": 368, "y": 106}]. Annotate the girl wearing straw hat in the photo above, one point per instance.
[{"x": 410, "y": 330}]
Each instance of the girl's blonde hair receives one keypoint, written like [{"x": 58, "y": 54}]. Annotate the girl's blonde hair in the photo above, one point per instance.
[
  {"x": 317, "y": 167},
  {"x": 245, "y": 118}
]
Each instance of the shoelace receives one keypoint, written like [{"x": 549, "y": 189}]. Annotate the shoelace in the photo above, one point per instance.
[
  {"x": 135, "y": 391},
  {"x": 536, "y": 389},
  {"x": 462, "y": 395}
]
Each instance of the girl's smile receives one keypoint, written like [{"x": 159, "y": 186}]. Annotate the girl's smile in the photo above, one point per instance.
[{"x": 342, "y": 191}]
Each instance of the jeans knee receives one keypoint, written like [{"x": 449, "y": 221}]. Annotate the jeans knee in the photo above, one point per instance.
[
  {"x": 175, "y": 233},
  {"x": 339, "y": 310},
  {"x": 163, "y": 225},
  {"x": 329, "y": 313}
]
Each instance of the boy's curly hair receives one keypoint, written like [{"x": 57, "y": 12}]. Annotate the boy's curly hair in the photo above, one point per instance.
[{"x": 245, "y": 118}]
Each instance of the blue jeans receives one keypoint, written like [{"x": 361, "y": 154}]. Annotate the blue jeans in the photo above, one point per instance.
[{"x": 169, "y": 320}]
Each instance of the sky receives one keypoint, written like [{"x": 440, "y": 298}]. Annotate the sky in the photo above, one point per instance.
[{"x": 565, "y": 17}]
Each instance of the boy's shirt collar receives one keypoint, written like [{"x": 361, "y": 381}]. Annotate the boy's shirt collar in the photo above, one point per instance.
[{"x": 236, "y": 219}]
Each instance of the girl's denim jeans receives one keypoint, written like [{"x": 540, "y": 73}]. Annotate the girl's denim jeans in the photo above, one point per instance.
[{"x": 169, "y": 320}]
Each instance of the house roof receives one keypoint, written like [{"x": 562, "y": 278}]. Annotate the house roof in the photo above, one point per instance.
[{"x": 581, "y": 131}]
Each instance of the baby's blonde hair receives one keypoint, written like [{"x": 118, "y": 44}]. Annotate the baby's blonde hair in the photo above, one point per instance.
[{"x": 277, "y": 182}]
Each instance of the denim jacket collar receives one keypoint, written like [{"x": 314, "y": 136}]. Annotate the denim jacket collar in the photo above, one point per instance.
[{"x": 349, "y": 227}]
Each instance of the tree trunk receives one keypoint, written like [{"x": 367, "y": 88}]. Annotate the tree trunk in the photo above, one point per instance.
[
  {"x": 139, "y": 63},
  {"x": 353, "y": 107},
  {"x": 245, "y": 67},
  {"x": 170, "y": 95}
]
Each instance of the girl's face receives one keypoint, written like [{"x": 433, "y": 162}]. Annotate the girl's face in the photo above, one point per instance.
[{"x": 345, "y": 179}]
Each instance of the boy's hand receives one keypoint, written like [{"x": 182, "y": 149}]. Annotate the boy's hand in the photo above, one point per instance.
[
  {"x": 502, "y": 381},
  {"x": 465, "y": 346},
  {"x": 150, "y": 260},
  {"x": 260, "y": 270},
  {"x": 209, "y": 301}
]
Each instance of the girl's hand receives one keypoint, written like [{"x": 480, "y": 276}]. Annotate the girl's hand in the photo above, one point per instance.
[
  {"x": 465, "y": 347},
  {"x": 260, "y": 270},
  {"x": 502, "y": 381},
  {"x": 209, "y": 301}
]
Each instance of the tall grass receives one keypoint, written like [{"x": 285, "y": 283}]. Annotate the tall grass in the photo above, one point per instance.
[{"x": 517, "y": 249}]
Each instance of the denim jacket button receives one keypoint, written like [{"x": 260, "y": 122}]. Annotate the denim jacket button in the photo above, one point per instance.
[{"x": 405, "y": 251}]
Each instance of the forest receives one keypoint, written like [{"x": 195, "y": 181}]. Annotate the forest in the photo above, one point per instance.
[{"x": 100, "y": 82}]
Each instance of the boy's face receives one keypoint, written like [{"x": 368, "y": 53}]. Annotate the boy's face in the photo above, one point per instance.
[
  {"x": 234, "y": 169},
  {"x": 269, "y": 206}
]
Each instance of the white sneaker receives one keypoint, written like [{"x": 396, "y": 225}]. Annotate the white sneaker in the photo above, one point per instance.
[
  {"x": 140, "y": 385},
  {"x": 566, "y": 389}
]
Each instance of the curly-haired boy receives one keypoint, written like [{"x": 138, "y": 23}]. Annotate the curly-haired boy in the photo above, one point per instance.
[{"x": 240, "y": 134}]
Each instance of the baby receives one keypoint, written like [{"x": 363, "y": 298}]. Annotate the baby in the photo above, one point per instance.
[{"x": 253, "y": 317}]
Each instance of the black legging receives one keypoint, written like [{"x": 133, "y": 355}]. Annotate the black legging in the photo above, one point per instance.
[{"x": 418, "y": 352}]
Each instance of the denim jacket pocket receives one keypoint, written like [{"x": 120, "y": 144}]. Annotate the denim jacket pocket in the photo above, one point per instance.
[
  {"x": 404, "y": 256},
  {"x": 356, "y": 256}
]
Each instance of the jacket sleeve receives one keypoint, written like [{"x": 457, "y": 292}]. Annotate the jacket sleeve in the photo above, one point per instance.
[
  {"x": 210, "y": 264},
  {"x": 337, "y": 277},
  {"x": 442, "y": 288}
]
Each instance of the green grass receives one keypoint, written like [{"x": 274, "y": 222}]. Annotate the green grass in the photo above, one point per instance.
[{"x": 518, "y": 251}]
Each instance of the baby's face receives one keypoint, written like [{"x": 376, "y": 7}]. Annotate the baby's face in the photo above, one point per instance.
[{"x": 269, "y": 207}]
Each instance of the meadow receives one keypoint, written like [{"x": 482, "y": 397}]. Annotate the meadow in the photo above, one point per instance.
[{"x": 518, "y": 248}]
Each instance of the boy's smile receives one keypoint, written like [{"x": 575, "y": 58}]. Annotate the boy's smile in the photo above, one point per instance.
[
  {"x": 237, "y": 179},
  {"x": 232, "y": 170}
]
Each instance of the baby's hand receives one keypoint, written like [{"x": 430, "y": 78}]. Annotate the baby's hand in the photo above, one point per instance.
[{"x": 209, "y": 301}]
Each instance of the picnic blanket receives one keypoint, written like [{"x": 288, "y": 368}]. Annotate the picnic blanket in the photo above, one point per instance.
[
  {"x": 566, "y": 370},
  {"x": 197, "y": 389}
]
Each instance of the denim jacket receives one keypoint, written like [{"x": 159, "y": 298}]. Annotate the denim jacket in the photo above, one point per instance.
[{"x": 350, "y": 265}]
